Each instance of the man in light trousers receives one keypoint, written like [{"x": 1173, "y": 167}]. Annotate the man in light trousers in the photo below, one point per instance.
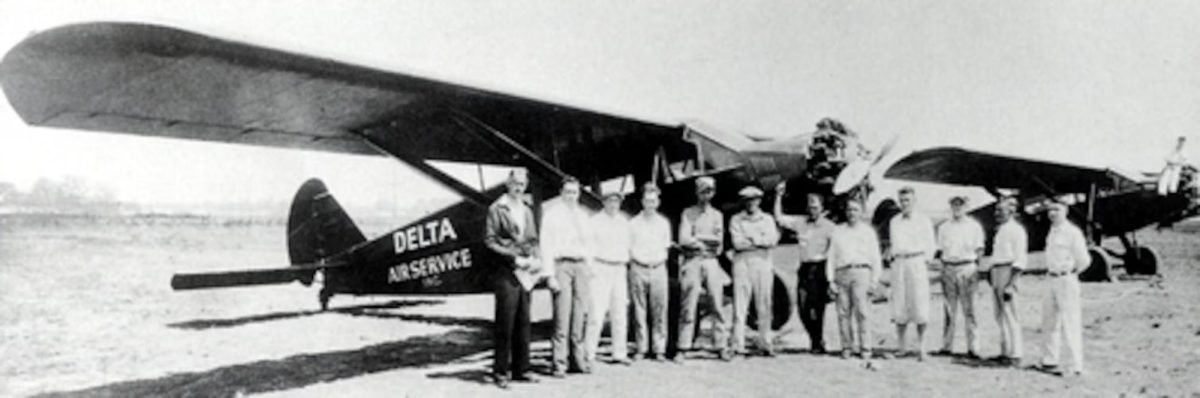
[
  {"x": 912, "y": 248},
  {"x": 960, "y": 243},
  {"x": 610, "y": 284},
  {"x": 651, "y": 240},
  {"x": 1009, "y": 249},
  {"x": 566, "y": 242},
  {"x": 1066, "y": 256},
  {"x": 853, "y": 267},
  {"x": 753, "y": 233},
  {"x": 701, "y": 234}
]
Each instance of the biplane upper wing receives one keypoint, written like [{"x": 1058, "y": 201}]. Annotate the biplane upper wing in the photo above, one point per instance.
[
  {"x": 957, "y": 166},
  {"x": 158, "y": 81}
]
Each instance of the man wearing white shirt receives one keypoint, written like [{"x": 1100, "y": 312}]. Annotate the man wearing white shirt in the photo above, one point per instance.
[
  {"x": 610, "y": 292},
  {"x": 1066, "y": 256},
  {"x": 912, "y": 248},
  {"x": 853, "y": 267},
  {"x": 960, "y": 243},
  {"x": 651, "y": 240},
  {"x": 753, "y": 233},
  {"x": 1009, "y": 249},
  {"x": 567, "y": 243}
]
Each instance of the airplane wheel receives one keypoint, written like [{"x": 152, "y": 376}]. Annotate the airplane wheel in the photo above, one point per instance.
[
  {"x": 781, "y": 307},
  {"x": 1142, "y": 260},
  {"x": 1100, "y": 270}
]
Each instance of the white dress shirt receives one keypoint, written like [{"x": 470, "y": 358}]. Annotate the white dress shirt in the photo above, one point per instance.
[
  {"x": 912, "y": 234},
  {"x": 852, "y": 245},
  {"x": 564, "y": 231},
  {"x": 1066, "y": 249},
  {"x": 651, "y": 238},
  {"x": 611, "y": 236},
  {"x": 1011, "y": 245},
  {"x": 960, "y": 240}
]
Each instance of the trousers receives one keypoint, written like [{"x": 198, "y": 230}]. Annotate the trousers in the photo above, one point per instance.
[
  {"x": 696, "y": 274},
  {"x": 852, "y": 301},
  {"x": 958, "y": 288},
  {"x": 610, "y": 296},
  {"x": 511, "y": 328},
  {"x": 1006, "y": 311},
  {"x": 910, "y": 291},
  {"x": 753, "y": 279},
  {"x": 571, "y": 305},
  {"x": 812, "y": 294},
  {"x": 1062, "y": 320},
  {"x": 648, "y": 290}
]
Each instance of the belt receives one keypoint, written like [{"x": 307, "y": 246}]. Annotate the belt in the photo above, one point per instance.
[
  {"x": 611, "y": 262},
  {"x": 908, "y": 255},
  {"x": 644, "y": 265},
  {"x": 1000, "y": 265},
  {"x": 813, "y": 262},
  {"x": 754, "y": 250},
  {"x": 570, "y": 259},
  {"x": 1060, "y": 274},
  {"x": 958, "y": 263},
  {"x": 853, "y": 266}
]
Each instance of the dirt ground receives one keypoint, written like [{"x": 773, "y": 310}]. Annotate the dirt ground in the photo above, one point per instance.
[{"x": 86, "y": 310}]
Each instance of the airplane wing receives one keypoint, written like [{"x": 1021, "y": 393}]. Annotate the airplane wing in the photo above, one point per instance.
[
  {"x": 158, "y": 81},
  {"x": 957, "y": 166}
]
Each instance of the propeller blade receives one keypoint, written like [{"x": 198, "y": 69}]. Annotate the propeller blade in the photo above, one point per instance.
[
  {"x": 850, "y": 176},
  {"x": 887, "y": 148}
]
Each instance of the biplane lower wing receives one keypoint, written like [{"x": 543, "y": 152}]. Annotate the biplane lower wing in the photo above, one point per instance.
[{"x": 957, "y": 166}]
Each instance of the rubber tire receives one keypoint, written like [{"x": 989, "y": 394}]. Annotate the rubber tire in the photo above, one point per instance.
[
  {"x": 1144, "y": 261},
  {"x": 1100, "y": 269}
]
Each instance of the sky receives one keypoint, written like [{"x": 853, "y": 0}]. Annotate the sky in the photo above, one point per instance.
[{"x": 1097, "y": 83}]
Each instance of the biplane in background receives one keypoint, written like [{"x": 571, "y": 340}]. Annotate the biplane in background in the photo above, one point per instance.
[
  {"x": 1103, "y": 202},
  {"x": 159, "y": 81}
]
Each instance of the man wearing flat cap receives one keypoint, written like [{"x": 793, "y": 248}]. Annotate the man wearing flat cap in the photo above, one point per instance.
[
  {"x": 960, "y": 243},
  {"x": 1066, "y": 256},
  {"x": 701, "y": 234},
  {"x": 610, "y": 287},
  {"x": 753, "y": 233}
]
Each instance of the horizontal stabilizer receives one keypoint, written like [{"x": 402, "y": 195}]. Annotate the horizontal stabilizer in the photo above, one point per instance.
[{"x": 274, "y": 276}]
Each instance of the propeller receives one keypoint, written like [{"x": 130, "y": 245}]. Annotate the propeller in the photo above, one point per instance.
[{"x": 858, "y": 171}]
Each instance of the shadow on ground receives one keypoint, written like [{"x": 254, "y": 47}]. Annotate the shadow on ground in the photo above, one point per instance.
[
  {"x": 202, "y": 324},
  {"x": 307, "y": 369}
]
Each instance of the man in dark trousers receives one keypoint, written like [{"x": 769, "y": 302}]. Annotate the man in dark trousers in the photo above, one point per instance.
[
  {"x": 813, "y": 233},
  {"x": 512, "y": 232}
]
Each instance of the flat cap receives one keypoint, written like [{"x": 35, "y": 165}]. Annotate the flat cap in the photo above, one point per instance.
[{"x": 751, "y": 192}]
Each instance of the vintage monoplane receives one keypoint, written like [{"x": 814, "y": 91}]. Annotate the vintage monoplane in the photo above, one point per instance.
[{"x": 159, "y": 81}]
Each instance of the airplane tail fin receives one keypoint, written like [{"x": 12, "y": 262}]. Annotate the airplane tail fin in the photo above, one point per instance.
[{"x": 318, "y": 228}]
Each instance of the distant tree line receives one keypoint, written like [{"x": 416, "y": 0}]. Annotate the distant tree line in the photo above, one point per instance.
[{"x": 65, "y": 192}]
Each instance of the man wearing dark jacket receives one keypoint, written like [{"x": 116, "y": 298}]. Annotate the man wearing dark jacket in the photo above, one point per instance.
[{"x": 512, "y": 232}]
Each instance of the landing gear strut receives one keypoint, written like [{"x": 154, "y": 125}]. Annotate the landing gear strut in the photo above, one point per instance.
[{"x": 324, "y": 297}]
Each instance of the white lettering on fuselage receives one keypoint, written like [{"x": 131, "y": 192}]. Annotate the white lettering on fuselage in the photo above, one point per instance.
[
  {"x": 420, "y": 236},
  {"x": 430, "y": 266}
]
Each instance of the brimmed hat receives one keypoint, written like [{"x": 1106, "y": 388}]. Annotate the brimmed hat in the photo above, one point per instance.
[{"x": 748, "y": 193}]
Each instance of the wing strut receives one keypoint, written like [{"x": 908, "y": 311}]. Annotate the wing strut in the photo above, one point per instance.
[
  {"x": 527, "y": 157},
  {"x": 468, "y": 193}
]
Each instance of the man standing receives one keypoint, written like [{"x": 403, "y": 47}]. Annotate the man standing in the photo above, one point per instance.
[
  {"x": 753, "y": 233},
  {"x": 701, "y": 234},
  {"x": 1066, "y": 256},
  {"x": 510, "y": 231},
  {"x": 912, "y": 248},
  {"x": 812, "y": 236},
  {"x": 651, "y": 234},
  {"x": 567, "y": 243},
  {"x": 853, "y": 268},
  {"x": 960, "y": 243},
  {"x": 1009, "y": 249},
  {"x": 610, "y": 292}
]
